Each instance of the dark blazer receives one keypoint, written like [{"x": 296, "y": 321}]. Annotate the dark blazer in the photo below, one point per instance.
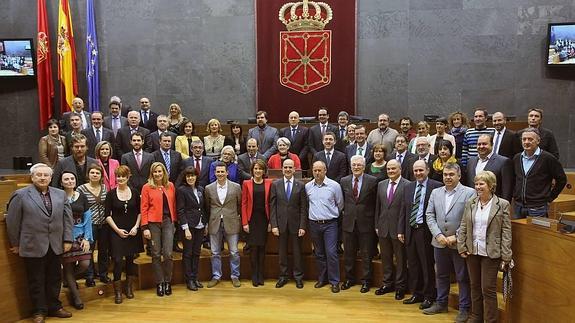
[
  {"x": 152, "y": 123},
  {"x": 548, "y": 142},
  {"x": 337, "y": 168},
  {"x": 510, "y": 144},
  {"x": 175, "y": 163},
  {"x": 299, "y": 144},
  {"x": 290, "y": 213},
  {"x": 190, "y": 210},
  {"x": 315, "y": 142},
  {"x": 246, "y": 165},
  {"x": 387, "y": 212},
  {"x": 229, "y": 141},
  {"x": 65, "y": 121},
  {"x": 153, "y": 141},
  {"x": 68, "y": 164},
  {"x": 403, "y": 226},
  {"x": 139, "y": 175},
  {"x": 340, "y": 145},
  {"x": 32, "y": 229},
  {"x": 124, "y": 140},
  {"x": 406, "y": 164},
  {"x": 91, "y": 142},
  {"x": 351, "y": 150},
  {"x": 204, "y": 178},
  {"x": 502, "y": 167},
  {"x": 360, "y": 212},
  {"x": 108, "y": 122}
]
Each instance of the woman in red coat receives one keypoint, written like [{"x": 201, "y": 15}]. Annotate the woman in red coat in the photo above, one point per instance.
[
  {"x": 276, "y": 160},
  {"x": 158, "y": 207},
  {"x": 255, "y": 218},
  {"x": 104, "y": 153}
]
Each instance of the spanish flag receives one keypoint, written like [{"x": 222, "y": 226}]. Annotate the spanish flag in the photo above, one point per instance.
[{"x": 66, "y": 57}]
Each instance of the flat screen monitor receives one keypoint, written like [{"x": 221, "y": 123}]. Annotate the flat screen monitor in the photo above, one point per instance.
[
  {"x": 561, "y": 44},
  {"x": 17, "y": 58}
]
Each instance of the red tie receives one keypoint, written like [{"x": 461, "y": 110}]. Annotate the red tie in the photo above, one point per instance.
[
  {"x": 355, "y": 189},
  {"x": 198, "y": 167}
]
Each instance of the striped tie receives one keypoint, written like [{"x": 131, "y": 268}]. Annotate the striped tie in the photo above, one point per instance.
[{"x": 415, "y": 206}]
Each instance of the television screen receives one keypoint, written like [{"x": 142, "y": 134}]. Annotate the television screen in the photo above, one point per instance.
[
  {"x": 16, "y": 58},
  {"x": 561, "y": 41}
]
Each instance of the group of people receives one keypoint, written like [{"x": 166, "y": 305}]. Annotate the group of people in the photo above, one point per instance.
[{"x": 432, "y": 203}]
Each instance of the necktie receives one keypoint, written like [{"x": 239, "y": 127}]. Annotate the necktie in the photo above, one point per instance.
[
  {"x": 391, "y": 192},
  {"x": 115, "y": 125},
  {"x": 497, "y": 140},
  {"x": 252, "y": 160},
  {"x": 292, "y": 133},
  {"x": 145, "y": 116},
  {"x": 415, "y": 206},
  {"x": 139, "y": 159},
  {"x": 198, "y": 170},
  {"x": 288, "y": 189},
  {"x": 356, "y": 188},
  {"x": 322, "y": 128},
  {"x": 399, "y": 158},
  {"x": 167, "y": 160},
  {"x": 360, "y": 151},
  {"x": 132, "y": 130},
  {"x": 98, "y": 135},
  {"x": 341, "y": 133},
  {"x": 328, "y": 158}
]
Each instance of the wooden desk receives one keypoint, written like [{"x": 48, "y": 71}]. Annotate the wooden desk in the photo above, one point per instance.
[{"x": 543, "y": 277}]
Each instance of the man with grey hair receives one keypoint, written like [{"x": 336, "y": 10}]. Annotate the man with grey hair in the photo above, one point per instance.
[
  {"x": 443, "y": 216},
  {"x": 383, "y": 134},
  {"x": 200, "y": 162},
  {"x": 153, "y": 139},
  {"x": 39, "y": 225},
  {"x": 77, "y": 108},
  {"x": 124, "y": 137},
  {"x": 298, "y": 136}
]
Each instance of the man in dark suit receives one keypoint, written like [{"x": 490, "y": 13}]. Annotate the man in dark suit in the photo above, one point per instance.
[
  {"x": 547, "y": 140},
  {"x": 403, "y": 156},
  {"x": 245, "y": 160},
  {"x": 341, "y": 131},
  {"x": 138, "y": 161},
  {"x": 316, "y": 132},
  {"x": 288, "y": 219},
  {"x": 361, "y": 147},
  {"x": 298, "y": 136},
  {"x": 115, "y": 121},
  {"x": 412, "y": 230},
  {"x": 39, "y": 225},
  {"x": 359, "y": 194},
  {"x": 422, "y": 147},
  {"x": 487, "y": 159},
  {"x": 153, "y": 139},
  {"x": 506, "y": 142},
  {"x": 148, "y": 118},
  {"x": 97, "y": 133},
  {"x": 200, "y": 162},
  {"x": 77, "y": 163},
  {"x": 169, "y": 157},
  {"x": 77, "y": 108},
  {"x": 388, "y": 206},
  {"x": 124, "y": 137},
  {"x": 335, "y": 160}
]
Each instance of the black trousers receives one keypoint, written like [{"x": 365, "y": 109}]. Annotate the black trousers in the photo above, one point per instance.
[
  {"x": 257, "y": 262},
  {"x": 393, "y": 274},
  {"x": 421, "y": 264},
  {"x": 284, "y": 238},
  {"x": 191, "y": 254},
  {"x": 44, "y": 282},
  {"x": 101, "y": 235},
  {"x": 352, "y": 241}
]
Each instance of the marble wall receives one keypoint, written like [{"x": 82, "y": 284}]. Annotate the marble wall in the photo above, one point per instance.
[{"x": 415, "y": 57}]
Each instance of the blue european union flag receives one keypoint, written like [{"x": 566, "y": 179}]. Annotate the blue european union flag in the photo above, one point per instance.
[{"x": 92, "y": 59}]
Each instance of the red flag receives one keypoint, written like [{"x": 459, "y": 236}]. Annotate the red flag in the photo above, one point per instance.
[
  {"x": 66, "y": 57},
  {"x": 44, "y": 79}
]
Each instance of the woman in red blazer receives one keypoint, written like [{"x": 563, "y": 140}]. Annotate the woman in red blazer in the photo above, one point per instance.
[
  {"x": 255, "y": 217},
  {"x": 104, "y": 153},
  {"x": 158, "y": 207},
  {"x": 276, "y": 160}
]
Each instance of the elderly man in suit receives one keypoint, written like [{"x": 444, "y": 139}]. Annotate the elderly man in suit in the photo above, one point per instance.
[
  {"x": 115, "y": 120},
  {"x": 298, "y": 136},
  {"x": 223, "y": 201},
  {"x": 138, "y": 161},
  {"x": 97, "y": 133},
  {"x": 123, "y": 141},
  {"x": 388, "y": 206},
  {"x": 246, "y": 159},
  {"x": 505, "y": 141},
  {"x": 77, "y": 163},
  {"x": 153, "y": 139},
  {"x": 335, "y": 160},
  {"x": 77, "y": 108},
  {"x": 266, "y": 135},
  {"x": 359, "y": 194},
  {"x": 412, "y": 230},
  {"x": 39, "y": 225},
  {"x": 443, "y": 214},
  {"x": 361, "y": 147},
  {"x": 200, "y": 162},
  {"x": 487, "y": 159},
  {"x": 288, "y": 219},
  {"x": 148, "y": 118},
  {"x": 316, "y": 132}
]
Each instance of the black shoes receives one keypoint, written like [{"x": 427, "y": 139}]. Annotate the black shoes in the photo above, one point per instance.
[
  {"x": 413, "y": 299},
  {"x": 198, "y": 284},
  {"x": 167, "y": 289},
  {"x": 298, "y": 283},
  {"x": 425, "y": 304},
  {"x": 105, "y": 279},
  {"x": 281, "y": 282},
  {"x": 335, "y": 288},
  {"x": 191, "y": 285},
  {"x": 347, "y": 285},
  {"x": 399, "y": 294},
  {"x": 364, "y": 288},
  {"x": 384, "y": 290},
  {"x": 160, "y": 289},
  {"x": 90, "y": 282},
  {"x": 319, "y": 284}
]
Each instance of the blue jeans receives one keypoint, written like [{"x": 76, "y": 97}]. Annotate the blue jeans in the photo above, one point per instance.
[
  {"x": 324, "y": 238},
  {"x": 521, "y": 211},
  {"x": 446, "y": 259},
  {"x": 216, "y": 242}
]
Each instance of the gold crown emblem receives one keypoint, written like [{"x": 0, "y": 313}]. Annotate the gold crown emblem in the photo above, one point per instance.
[{"x": 299, "y": 16}]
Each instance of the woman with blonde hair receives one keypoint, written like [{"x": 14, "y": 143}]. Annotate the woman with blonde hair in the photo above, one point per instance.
[
  {"x": 214, "y": 141},
  {"x": 158, "y": 208},
  {"x": 176, "y": 119}
]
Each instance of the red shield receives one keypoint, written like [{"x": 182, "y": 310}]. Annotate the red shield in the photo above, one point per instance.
[{"x": 305, "y": 60}]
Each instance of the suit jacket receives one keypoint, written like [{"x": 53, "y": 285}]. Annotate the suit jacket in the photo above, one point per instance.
[
  {"x": 387, "y": 212},
  {"x": 498, "y": 237},
  {"x": 403, "y": 226},
  {"x": 315, "y": 141},
  {"x": 406, "y": 164},
  {"x": 290, "y": 213},
  {"x": 230, "y": 210},
  {"x": 360, "y": 212},
  {"x": 123, "y": 141},
  {"x": 153, "y": 141},
  {"x": 503, "y": 169},
  {"x": 351, "y": 150},
  {"x": 190, "y": 209},
  {"x": 139, "y": 175},
  {"x": 91, "y": 142},
  {"x": 337, "y": 168},
  {"x": 245, "y": 164},
  {"x": 68, "y": 164},
  {"x": 442, "y": 219},
  {"x": 65, "y": 121},
  {"x": 175, "y": 163},
  {"x": 108, "y": 122},
  {"x": 152, "y": 123},
  {"x": 204, "y": 178},
  {"x": 299, "y": 144},
  {"x": 340, "y": 145},
  {"x": 248, "y": 199},
  {"x": 32, "y": 229},
  {"x": 152, "y": 204},
  {"x": 509, "y": 145},
  {"x": 267, "y": 146}
]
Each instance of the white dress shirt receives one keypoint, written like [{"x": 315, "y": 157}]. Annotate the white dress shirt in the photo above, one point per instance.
[{"x": 480, "y": 228}]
